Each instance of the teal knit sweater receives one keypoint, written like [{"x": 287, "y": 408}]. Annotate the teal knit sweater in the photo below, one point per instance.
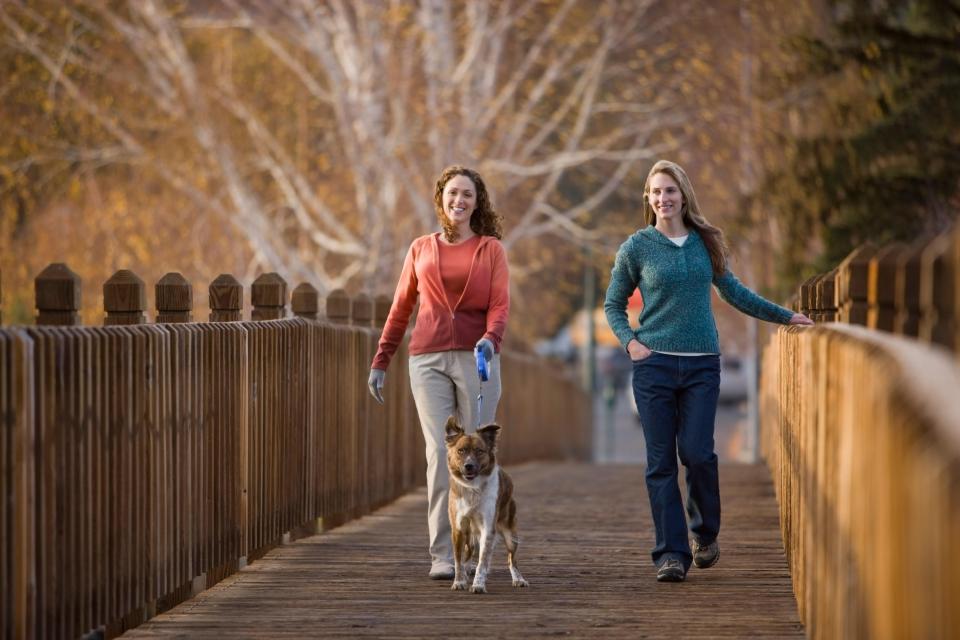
[{"x": 675, "y": 285}]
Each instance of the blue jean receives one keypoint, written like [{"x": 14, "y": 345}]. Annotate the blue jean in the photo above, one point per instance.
[{"x": 677, "y": 402}]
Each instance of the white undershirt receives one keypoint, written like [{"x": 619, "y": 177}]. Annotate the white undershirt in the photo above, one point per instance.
[{"x": 679, "y": 240}]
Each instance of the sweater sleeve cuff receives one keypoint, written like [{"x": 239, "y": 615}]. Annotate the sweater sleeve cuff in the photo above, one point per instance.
[{"x": 784, "y": 315}]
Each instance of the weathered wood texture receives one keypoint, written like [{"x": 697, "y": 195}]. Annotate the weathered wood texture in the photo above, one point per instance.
[
  {"x": 861, "y": 430},
  {"x": 585, "y": 541},
  {"x": 141, "y": 463},
  {"x": 57, "y": 295},
  {"x": 912, "y": 290}
]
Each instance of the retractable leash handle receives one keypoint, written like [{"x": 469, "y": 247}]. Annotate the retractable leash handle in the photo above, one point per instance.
[
  {"x": 482, "y": 370},
  {"x": 484, "y": 374}
]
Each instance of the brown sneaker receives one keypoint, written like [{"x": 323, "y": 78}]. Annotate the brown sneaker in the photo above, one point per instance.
[
  {"x": 671, "y": 571},
  {"x": 705, "y": 555}
]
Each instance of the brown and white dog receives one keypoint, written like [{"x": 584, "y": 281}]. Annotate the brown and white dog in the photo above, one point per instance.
[{"x": 481, "y": 504}]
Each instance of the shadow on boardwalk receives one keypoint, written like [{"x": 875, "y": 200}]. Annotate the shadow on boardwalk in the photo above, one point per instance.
[{"x": 585, "y": 540}]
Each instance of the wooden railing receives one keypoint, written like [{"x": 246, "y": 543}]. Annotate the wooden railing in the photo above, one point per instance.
[
  {"x": 907, "y": 289},
  {"x": 861, "y": 431},
  {"x": 142, "y": 463}
]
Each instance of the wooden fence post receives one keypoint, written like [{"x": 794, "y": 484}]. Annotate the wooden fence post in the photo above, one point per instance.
[
  {"x": 1, "y": 298},
  {"x": 826, "y": 297},
  {"x": 173, "y": 296},
  {"x": 305, "y": 301},
  {"x": 851, "y": 290},
  {"x": 381, "y": 309},
  {"x": 361, "y": 313},
  {"x": 57, "y": 293},
  {"x": 268, "y": 295},
  {"x": 124, "y": 299},
  {"x": 882, "y": 287},
  {"x": 806, "y": 295},
  {"x": 338, "y": 307},
  {"x": 937, "y": 292},
  {"x": 907, "y": 290},
  {"x": 226, "y": 299}
]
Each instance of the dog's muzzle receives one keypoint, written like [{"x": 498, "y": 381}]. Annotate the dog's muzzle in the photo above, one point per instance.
[{"x": 470, "y": 471}]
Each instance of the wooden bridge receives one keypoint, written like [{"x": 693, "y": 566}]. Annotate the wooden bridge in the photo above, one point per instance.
[
  {"x": 233, "y": 478},
  {"x": 586, "y": 536}
]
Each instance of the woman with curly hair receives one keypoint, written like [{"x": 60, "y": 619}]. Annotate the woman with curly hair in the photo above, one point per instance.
[{"x": 460, "y": 277}]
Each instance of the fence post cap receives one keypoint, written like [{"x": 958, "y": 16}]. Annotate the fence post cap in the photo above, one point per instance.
[
  {"x": 173, "y": 278},
  {"x": 269, "y": 290},
  {"x": 57, "y": 288},
  {"x": 226, "y": 292},
  {"x": 173, "y": 297},
  {"x": 361, "y": 312},
  {"x": 338, "y": 306},
  {"x": 124, "y": 291},
  {"x": 173, "y": 293},
  {"x": 58, "y": 271},
  {"x": 305, "y": 300},
  {"x": 225, "y": 280}
]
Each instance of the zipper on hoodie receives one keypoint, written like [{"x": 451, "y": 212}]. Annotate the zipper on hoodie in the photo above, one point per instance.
[{"x": 453, "y": 313}]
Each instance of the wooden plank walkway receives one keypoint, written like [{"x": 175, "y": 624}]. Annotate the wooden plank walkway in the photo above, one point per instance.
[{"x": 586, "y": 535}]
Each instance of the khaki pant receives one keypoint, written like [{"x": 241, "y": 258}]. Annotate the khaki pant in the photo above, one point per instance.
[{"x": 446, "y": 384}]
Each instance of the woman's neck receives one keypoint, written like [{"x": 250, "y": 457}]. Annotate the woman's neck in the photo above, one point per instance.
[
  {"x": 673, "y": 228},
  {"x": 464, "y": 233}
]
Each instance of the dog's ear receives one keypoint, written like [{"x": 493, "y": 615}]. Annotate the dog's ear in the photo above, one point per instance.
[
  {"x": 490, "y": 434},
  {"x": 454, "y": 430}
]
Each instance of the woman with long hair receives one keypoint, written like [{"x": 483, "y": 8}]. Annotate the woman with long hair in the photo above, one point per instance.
[{"x": 675, "y": 351}]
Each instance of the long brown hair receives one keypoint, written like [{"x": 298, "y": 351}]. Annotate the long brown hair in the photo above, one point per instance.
[
  {"x": 692, "y": 217},
  {"x": 484, "y": 221}
]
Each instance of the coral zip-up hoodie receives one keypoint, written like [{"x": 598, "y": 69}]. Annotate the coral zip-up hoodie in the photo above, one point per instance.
[{"x": 481, "y": 311}]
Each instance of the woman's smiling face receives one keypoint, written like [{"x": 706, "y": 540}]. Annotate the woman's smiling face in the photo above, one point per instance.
[
  {"x": 665, "y": 197},
  {"x": 459, "y": 199}
]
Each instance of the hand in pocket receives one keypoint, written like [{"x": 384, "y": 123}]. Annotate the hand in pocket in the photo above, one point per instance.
[{"x": 638, "y": 351}]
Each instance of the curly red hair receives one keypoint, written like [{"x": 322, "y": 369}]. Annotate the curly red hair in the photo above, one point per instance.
[{"x": 485, "y": 221}]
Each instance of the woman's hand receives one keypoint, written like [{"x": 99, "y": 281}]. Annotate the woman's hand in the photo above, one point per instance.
[
  {"x": 799, "y": 318},
  {"x": 375, "y": 383},
  {"x": 486, "y": 346},
  {"x": 637, "y": 351}
]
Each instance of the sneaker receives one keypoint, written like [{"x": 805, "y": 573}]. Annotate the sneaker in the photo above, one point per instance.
[
  {"x": 671, "y": 571},
  {"x": 705, "y": 555},
  {"x": 441, "y": 571}
]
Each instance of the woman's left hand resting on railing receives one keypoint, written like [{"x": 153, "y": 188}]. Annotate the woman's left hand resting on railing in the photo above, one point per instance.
[
  {"x": 375, "y": 383},
  {"x": 799, "y": 318}
]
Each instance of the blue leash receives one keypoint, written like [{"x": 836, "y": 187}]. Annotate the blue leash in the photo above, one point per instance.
[{"x": 484, "y": 374}]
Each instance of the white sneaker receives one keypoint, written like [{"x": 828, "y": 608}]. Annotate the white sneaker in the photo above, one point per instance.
[{"x": 441, "y": 571}]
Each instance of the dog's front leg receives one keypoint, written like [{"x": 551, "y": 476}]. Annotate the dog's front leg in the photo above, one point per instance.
[
  {"x": 461, "y": 550},
  {"x": 487, "y": 538}
]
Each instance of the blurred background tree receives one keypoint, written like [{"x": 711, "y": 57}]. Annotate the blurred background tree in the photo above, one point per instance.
[
  {"x": 304, "y": 137},
  {"x": 863, "y": 130}
]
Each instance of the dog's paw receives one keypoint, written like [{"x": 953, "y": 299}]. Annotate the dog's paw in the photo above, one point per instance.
[
  {"x": 520, "y": 582},
  {"x": 478, "y": 588},
  {"x": 459, "y": 586}
]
